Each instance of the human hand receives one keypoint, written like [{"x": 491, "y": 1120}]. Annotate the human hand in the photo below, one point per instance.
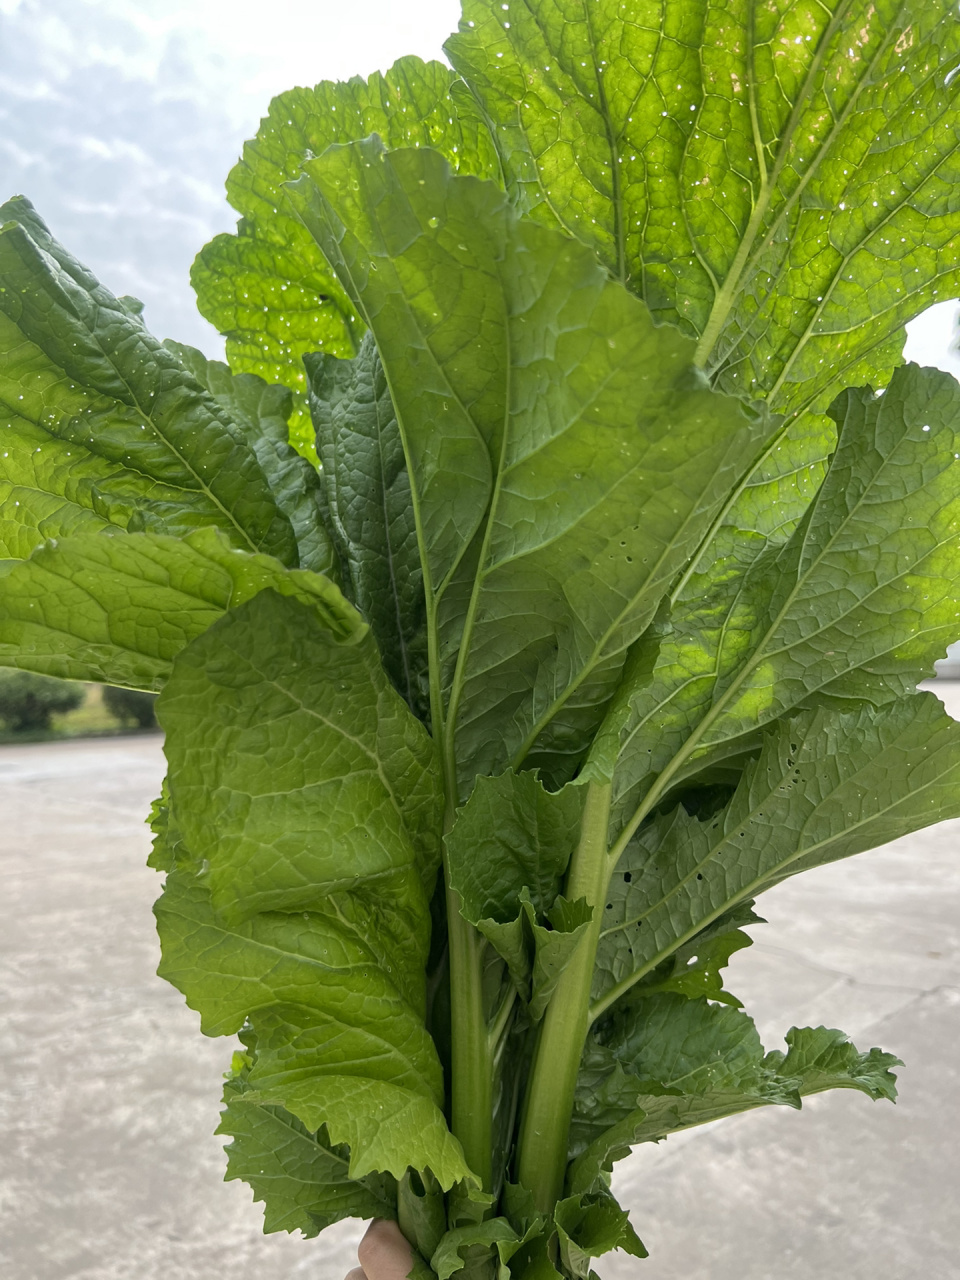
[{"x": 384, "y": 1254}]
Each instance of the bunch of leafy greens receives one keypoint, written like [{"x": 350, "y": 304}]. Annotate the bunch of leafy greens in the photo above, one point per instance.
[{"x": 598, "y": 609}]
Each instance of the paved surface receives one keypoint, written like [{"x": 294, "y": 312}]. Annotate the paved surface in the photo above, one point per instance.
[{"x": 109, "y": 1169}]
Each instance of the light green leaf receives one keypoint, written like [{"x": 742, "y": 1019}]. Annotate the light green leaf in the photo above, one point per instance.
[
  {"x": 303, "y": 1181},
  {"x": 268, "y": 288},
  {"x": 827, "y": 784},
  {"x": 539, "y": 584},
  {"x": 316, "y": 776},
  {"x": 369, "y": 511},
  {"x": 118, "y": 609},
  {"x": 859, "y": 603},
  {"x": 304, "y": 795},
  {"x": 261, "y": 413},
  {"x": 100, "y": 425},
  {"x": 774, "y": 178}
]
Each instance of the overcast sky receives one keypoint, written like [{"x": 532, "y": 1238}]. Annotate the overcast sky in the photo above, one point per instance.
[{"x": 120, "y": 119}]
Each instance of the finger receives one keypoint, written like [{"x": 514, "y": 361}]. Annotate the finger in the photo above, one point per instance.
[
  {"x": 357, "y": 1273},
  {"x": 384, "y": 1252}
]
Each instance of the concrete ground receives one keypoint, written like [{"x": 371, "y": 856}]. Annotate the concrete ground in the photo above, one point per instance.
[{"x": 109, "y": 1169}]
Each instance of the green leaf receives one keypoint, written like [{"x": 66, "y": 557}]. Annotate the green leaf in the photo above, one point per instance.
[
  {"x": 119, "y": 609},
  {"x": 100, "y": 425},
  {"x": 820, "y": 1058},
  {"x": 666, "y": 1064},
  {"x": 539, "y": 584},
  {"x": 512, "y": 835},
  {"x": 858, "y": 604},
  {"x": 827, "y": 784},
  {"x": 693, "y": 970},
  {"x": 268, "y": 288},
  {"x": 262, "y": 412},
  {"x": 506, "y": 856},
  {"x": 305, "y": 792},
  {"x": 303, "y": 1181},
  {"x": 554, "y": 947},
  {"x": 370, "y": 515},
  {"x": 465, "y": 1248},
  {"x": 421, "y": 1214},
  {"x": 774, "y": 178},
  {"x": 589, "y": 1227},
  {"x": 308, "y": 727}
]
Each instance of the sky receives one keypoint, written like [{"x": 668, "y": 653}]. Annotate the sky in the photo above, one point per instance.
[{"x": 120, "y": 120}]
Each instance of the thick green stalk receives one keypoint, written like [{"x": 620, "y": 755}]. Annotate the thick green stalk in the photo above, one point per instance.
[
  {"x": 471, "y": 1103},
  {"x": 548, "y": 1106}
]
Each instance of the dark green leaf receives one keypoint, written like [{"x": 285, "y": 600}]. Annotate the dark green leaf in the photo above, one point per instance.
[
  {"x": 506, "y": 855},
  {"x": 827, "y": 785},
  {"x": 371, "y": 518},
  {"x": 819, "y": 1058},
  {"x": 261, "y": 413},
  {"x": 465, "y": 1248},
  {"x": 665, "y": 1064},
  {"x": 589, "y": 1227},
  {"x": 539, "y": 584},
  {"x": 512, "y": 835}
]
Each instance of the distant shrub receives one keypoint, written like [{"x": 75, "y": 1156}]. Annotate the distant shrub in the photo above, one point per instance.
[
  {"x": 28, "y": 701},
  {"x": 131, "y": 706}
]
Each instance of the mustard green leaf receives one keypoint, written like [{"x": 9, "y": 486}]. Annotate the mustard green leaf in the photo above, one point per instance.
[
  {"x": 827, "y": 784},
  {"x": 511, "y": 835},
  {"x": 506, "y": 856},
  {"x": 821, "y": 1058},
  {"x": 338, "y": 1041},
  {"x": 302, "y": 1180},
  {"x": 858, "y": 604},
  {"x": 306, "y": 797},
  {"x": 773, "y": 178},
  {"x": 262, "y": 412},
  {"x": 555, "y": 944},
  {"x": 464, "y": 1250},
  {"x": 668, "y": 1064},
  {"x": 539, "y": 584},
  {"x": 589, "y": 1227},
  {"x": 693, "y": 970},
  {"x": 367, "y": 499},
  {"x": 118, "y": 609},
  {"x": 100, "y": 425},
  {"x": 310, "y": 731},
  {"x": 268, "y": 288}
]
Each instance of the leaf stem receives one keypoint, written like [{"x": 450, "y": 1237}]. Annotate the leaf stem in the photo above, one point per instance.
[
  {"x": 471, "y": 1102},
  {"x": 548, "y": 1106}
]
